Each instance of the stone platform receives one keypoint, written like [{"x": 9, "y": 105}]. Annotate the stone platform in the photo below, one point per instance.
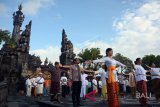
[{"x": 23, "y": 101}]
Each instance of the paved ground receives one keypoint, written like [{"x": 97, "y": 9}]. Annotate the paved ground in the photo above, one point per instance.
[{"x": 67, "y": 102}]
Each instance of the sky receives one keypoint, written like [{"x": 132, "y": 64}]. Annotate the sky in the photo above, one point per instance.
[{"x": 130, "y": 27}]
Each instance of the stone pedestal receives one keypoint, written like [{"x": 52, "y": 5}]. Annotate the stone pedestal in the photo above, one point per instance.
[{"x": 3, "y": 94}]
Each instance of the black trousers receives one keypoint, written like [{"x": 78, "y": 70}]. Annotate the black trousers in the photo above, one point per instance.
[
  {"x": 64, "y": 90},
  {"x": 76, "y": 90}
]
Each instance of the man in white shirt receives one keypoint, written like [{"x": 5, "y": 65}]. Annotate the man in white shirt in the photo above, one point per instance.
[
  {"x": 34, "y": 85},
  {"x": 28, "y": 86},
  {"x": 39, "y": 81},
  {"x": 64, "y": 85},
  {"x": 140, "y": 74},
  {"x": 155, "y": 74}
]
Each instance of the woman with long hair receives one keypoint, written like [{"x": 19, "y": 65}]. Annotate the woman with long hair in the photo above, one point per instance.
[{"x": 112, "y": 81}]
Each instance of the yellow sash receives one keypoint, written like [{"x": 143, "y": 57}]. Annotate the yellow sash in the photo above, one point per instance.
[{"x": 110, "y": 74}]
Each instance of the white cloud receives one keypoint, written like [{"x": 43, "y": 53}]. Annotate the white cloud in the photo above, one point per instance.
[
  {"x": 3, "y": 9},
  {"x": 139, "y": 31},
  {"x": 52, "y": 53},
  {"x": 138, "y": 34},
  {"x": 32, "y": 7}
]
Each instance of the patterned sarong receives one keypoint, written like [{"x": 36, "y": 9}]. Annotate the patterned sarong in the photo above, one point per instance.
[
  {"x": 142, "y": 89},
  {"x": 156, "y": 88},
  {"x": 55, "y": 88},
  {"x": 112, "y": 89}
]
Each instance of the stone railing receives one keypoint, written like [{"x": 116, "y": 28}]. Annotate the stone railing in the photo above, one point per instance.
[{"x": 3, "y": 94}]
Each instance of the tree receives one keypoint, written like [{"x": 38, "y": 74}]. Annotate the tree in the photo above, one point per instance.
[
  {"x": 123, "y": 59},
  {"x": 90, "y": 54},
  {"x": 148, "y": 59},
  {"x": 4, "y": 36}
]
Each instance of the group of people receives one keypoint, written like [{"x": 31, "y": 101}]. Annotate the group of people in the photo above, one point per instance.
[
  {"x": 109, "y": 83},
  {"x": 137, "y": 79},
  {"x": 37, "y": 85}
]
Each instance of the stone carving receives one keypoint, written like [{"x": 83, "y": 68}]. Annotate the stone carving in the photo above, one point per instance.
[
  {"x": 67, "y": 54},
  {"x": 14, "y": 59}
]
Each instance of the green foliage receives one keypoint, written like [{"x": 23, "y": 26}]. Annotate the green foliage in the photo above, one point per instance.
[
  {"x": 123, "y": 59},
  {"x": 90, "y": 54},
  {"x": 4, "y": 36},
  {"x": 147, "y": 59}
]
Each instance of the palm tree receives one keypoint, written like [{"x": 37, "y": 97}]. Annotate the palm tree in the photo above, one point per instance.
[{"x": 4, "y": 36}]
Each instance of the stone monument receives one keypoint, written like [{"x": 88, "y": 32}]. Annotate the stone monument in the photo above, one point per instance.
[
  {"x": 67, "y": 54},
  {"x": 14, "y": 56}
]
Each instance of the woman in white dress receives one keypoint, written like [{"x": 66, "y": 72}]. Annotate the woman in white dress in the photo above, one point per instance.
[
  {"x": 112, "y": 82},
  {"x": 28, "y": 86}
]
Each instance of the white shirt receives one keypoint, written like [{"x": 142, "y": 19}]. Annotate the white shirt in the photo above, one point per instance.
[
  {"x": 39, "y": 80},
  {"x": 28, "y": 82},
  {"x": 103, "y": 75},
  {"x": 126, "y": 82},
  {"x": 33, "y": 82},
  {"x": 110, "y": 62},
  {"x": 64, "y": 80},
  {"x": 94, "y": 81},
  {"x": 100, "y": 84},
  {"x": 155, "y": 73},
  {"x": 140, "y": 73},
  {"x": 83, "y": 79},
  {"x": 121, "y": 79},
  {"x": 86, "y": 82}
]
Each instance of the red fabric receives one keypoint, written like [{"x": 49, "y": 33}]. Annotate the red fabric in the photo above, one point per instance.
[
  {"x": 55, "y": 87},
  {"x": 112, "y": 89},
  {"x": 91, "y": 93},
  {"x": 156, "y": 87},
  {"x": 142, "y": 89}
]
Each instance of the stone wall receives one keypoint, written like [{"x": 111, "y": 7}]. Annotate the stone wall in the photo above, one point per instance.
[{"x": 3, "y": 94}]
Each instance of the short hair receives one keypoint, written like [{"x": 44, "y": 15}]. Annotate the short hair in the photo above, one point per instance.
[
  {"x": 137, "y": 60},
  {"x": 108, "y": 49},
  {"x": 74, "y": 60},
  {"x": 56, "y": 63}
]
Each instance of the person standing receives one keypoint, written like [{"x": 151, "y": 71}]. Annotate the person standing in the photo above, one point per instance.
[
  {"x": 112, "y": 81},
  {"x": 103, "y": 75},
  {"x": 76, "y": 81},
  {"x": 89, "y": 86},
  {"x": 28, "y": 86},
  {"x": 46, "y": 86},
  {"x": 55, "y": 81},
  {"x": 121, "y": 84},
  {"x": 132, "y": 83},
  {"x": 64, "y": 85},
  {"x": 140, "y": 74},
  {"x": 40, "y": 82},
  {"x": 84, "y": 85},
  {"x": 69, "y": 85},
  {"x": 155, "y": 74},
  {"x": 34, "y": 85},
  {"x": 94, "y": 82}
]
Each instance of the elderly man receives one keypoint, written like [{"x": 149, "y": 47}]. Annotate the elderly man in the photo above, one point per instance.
[{"x": 40, "y": 81}]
